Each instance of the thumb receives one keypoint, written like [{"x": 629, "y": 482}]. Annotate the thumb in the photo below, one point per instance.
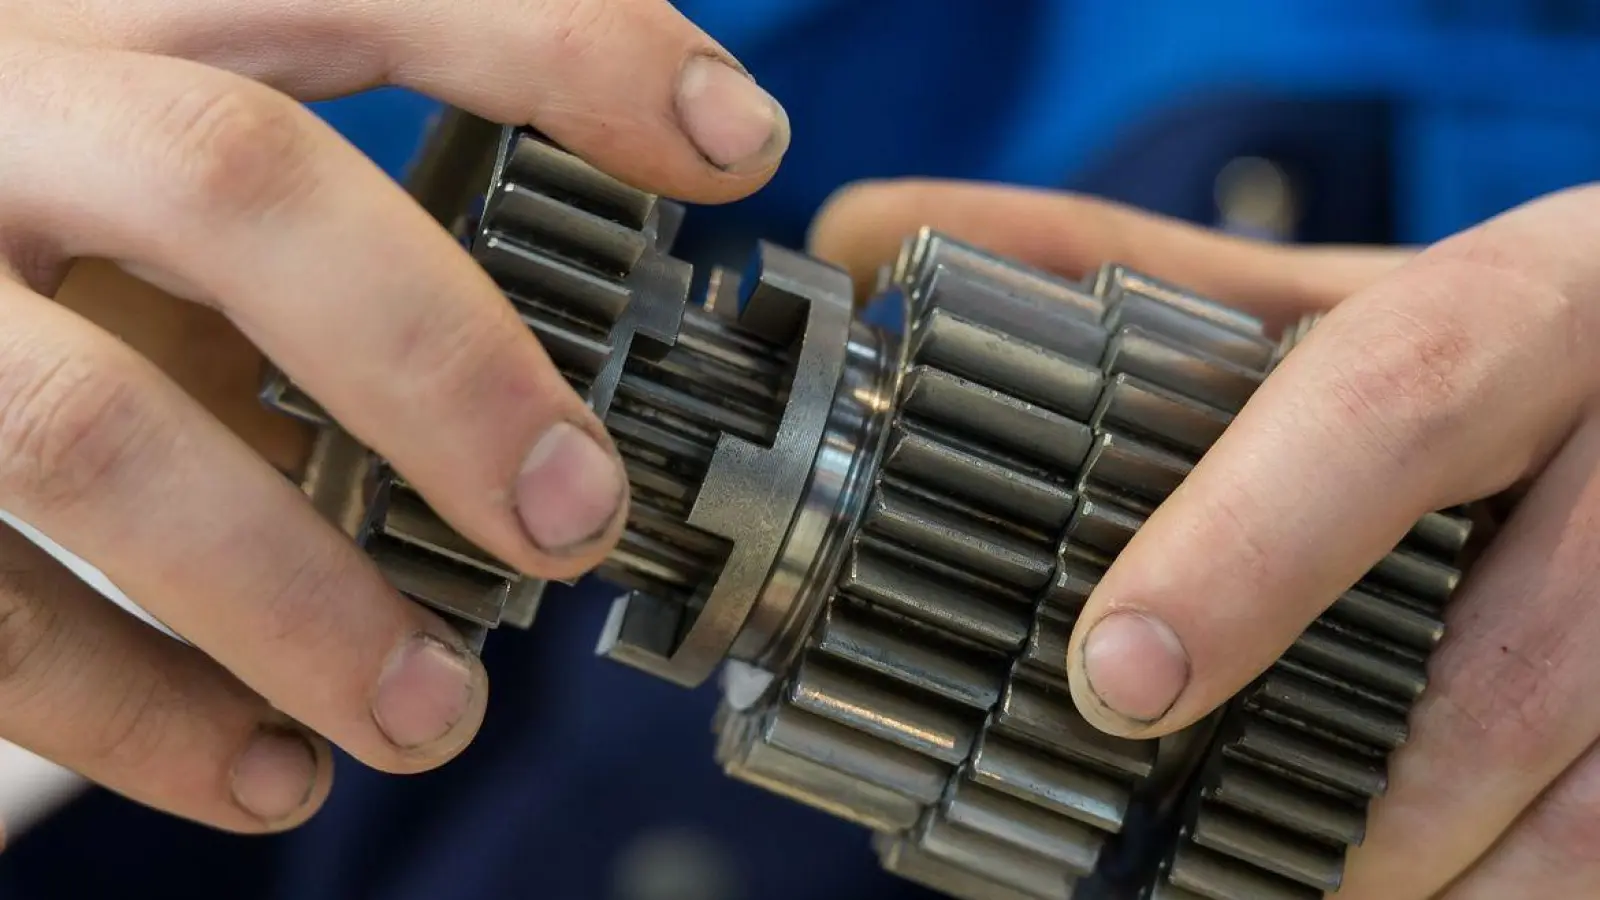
[{"x": 1449, "y": 380}]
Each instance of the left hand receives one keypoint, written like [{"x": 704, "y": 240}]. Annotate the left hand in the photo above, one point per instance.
[{"x": 1443, "y": 376}]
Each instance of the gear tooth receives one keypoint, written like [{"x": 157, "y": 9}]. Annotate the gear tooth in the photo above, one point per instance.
[
  {"x": 1382, "y": 613},
  {"x": 1383, "y": 668},
  {"x": 1138, "y": 300},
  {"x": 408, "y": 519},
  {"x": 665, "y": 221},
  {"x": 1330, "y": 820},
  {"x": 1023, "y": 370},
  {"x": 460, "y": 590},
  {"x": 983, "y": 414},
  {"x": 522, "y": 607},
  {"x": 901, "y": 856},
  {"x": 281, "y": 394},
  {"x": 855, "y": 753},
  {"x": 1139, "y": 408},
  {"x": 542, "y": 283},
  {"x": 1049, "y": 719},
  {"x": 1114, "y": 281},
  {"x": 1001, "y": 862},
  {"x": 1315, "y": 764},
  {"x": 539, "y": 164},
  {"x": 987, "y": 617},
  {"x": 958, "y": 540},
  {"x": 1214, "y": 876},
  {"x": 745, "y": 756},
  {"x": 1283, "y": 854},
  {"x": 542, "y": 222},
  {"x": 1294, "y": 335},
  {"x": 1068, "y": 844},
  {"x": 917, "y": 723},
  {"x": 1321, "y": 709},
  {"x": 1052, "y": 783},
  {"x": 1103, "y": 526},
  {"x": 1074, "y": 578},
  {"x": 1420, "y": 577},
  {"x": 962, "y": 292},
  {"x": 1442, "y": 535},
  {"x": 1164, "y": 889},
  {"x": 1044, "y": 658},
  {"x": 1012, "y": 298},
  {"x": 578, "y": 356},
  {"x": 917, "y": 660},
  {"x": 1169, "y": 364},
  {"x": 1140, "y": 473},
  {"x": 1006, "y": 489}
]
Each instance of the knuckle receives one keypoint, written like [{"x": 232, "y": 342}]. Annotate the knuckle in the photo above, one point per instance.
[
  {"x": 575, "y": 30},
  {"x": 134, "y": 725},
  {"x": 29, "y": 626},
  {"x": 1511, "y": 266},
  {"x": 69, "y": 429},
  {"x": 233, "y": 149},
  {"x": 1409, "y": 384},
  {"x": 300, "y": 603},
  {"x": 469, "y": 359}
]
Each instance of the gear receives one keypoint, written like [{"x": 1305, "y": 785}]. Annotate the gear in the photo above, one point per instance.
[{"x": 885, "y": 540}]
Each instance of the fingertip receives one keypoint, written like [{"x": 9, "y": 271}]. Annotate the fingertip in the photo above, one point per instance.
[
  {"x": 1127, "y": 672},
  {"x": 571, "y": 493},
  {"x": 859, "y": 226},
  {"x": 735, "y": 124},
  {"x": 282, "y": 776},
  {"x": 429, "y": 702}
]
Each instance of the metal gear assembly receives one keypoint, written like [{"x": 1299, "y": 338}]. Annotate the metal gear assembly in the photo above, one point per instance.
[{"x": 881, "y": 540}]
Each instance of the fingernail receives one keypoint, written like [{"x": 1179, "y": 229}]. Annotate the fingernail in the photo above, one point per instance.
[
  {"x": 1135, "y": 666},
  {"x": 569, "y": 491},
  {"x": 737, "y": 126},
  {"x": 423, "y": 694},
  {"x": 274, "y": 777}
]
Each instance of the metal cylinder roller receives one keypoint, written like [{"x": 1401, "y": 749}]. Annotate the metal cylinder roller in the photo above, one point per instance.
[{"x": 883, "y": 539}]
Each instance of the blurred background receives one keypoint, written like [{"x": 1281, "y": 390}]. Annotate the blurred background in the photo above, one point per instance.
[{"x": 1370, "y": 121}]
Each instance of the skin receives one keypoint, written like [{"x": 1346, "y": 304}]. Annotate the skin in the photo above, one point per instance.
[
  {"x": 166, "y": 138},
  {"x": 1454, "y": 373},
  {"x": 1443, "y": 375}
]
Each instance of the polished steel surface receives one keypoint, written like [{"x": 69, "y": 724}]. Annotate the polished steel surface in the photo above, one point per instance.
[{"x": 884, "y": 542}]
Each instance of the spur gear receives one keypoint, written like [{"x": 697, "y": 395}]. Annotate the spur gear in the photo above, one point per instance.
[{"x": 883, "y": 540}]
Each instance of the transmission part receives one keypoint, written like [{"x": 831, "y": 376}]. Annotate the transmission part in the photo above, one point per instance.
[{"x": 881, "y": 540}]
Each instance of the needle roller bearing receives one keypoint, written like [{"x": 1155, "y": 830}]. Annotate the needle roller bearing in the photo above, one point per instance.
[{"x": 881, "y": 539}]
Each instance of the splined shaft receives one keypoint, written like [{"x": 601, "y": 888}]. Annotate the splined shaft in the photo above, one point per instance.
[{"x": 884, "y": 540}]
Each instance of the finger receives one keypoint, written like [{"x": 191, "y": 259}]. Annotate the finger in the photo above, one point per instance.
[
  {"x": 98, "y": 450},
  {"x": 96, "y": 690},
  {"x": 1509, "y": 702},
  {"x": 861, "y": 228},
  {"x": 602, "y": 77},
  {"x": 334, "y": 273},
  {"x": 1554, "y": 851},
  {"x": 1447, "y": 381},
  {"x": 196, "y": 347}
]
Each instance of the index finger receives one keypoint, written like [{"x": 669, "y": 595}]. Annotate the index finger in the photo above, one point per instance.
[
  {"x": 1443, "y": 383},
  {"x": 605, "y": 78}
]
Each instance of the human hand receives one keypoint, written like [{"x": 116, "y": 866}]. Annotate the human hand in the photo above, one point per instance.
[
  {"x": 1441, "y": 376},
  {"x": 166, "y": 136}
]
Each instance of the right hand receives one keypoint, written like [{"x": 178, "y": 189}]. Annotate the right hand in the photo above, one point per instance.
[{"x": 165, "y": 135}]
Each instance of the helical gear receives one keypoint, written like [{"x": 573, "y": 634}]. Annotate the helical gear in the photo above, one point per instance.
[{"x": 884, "y": 540}]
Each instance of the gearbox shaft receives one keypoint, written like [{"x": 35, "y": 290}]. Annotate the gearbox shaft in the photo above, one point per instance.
[{"x": 883, "y": 540}]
